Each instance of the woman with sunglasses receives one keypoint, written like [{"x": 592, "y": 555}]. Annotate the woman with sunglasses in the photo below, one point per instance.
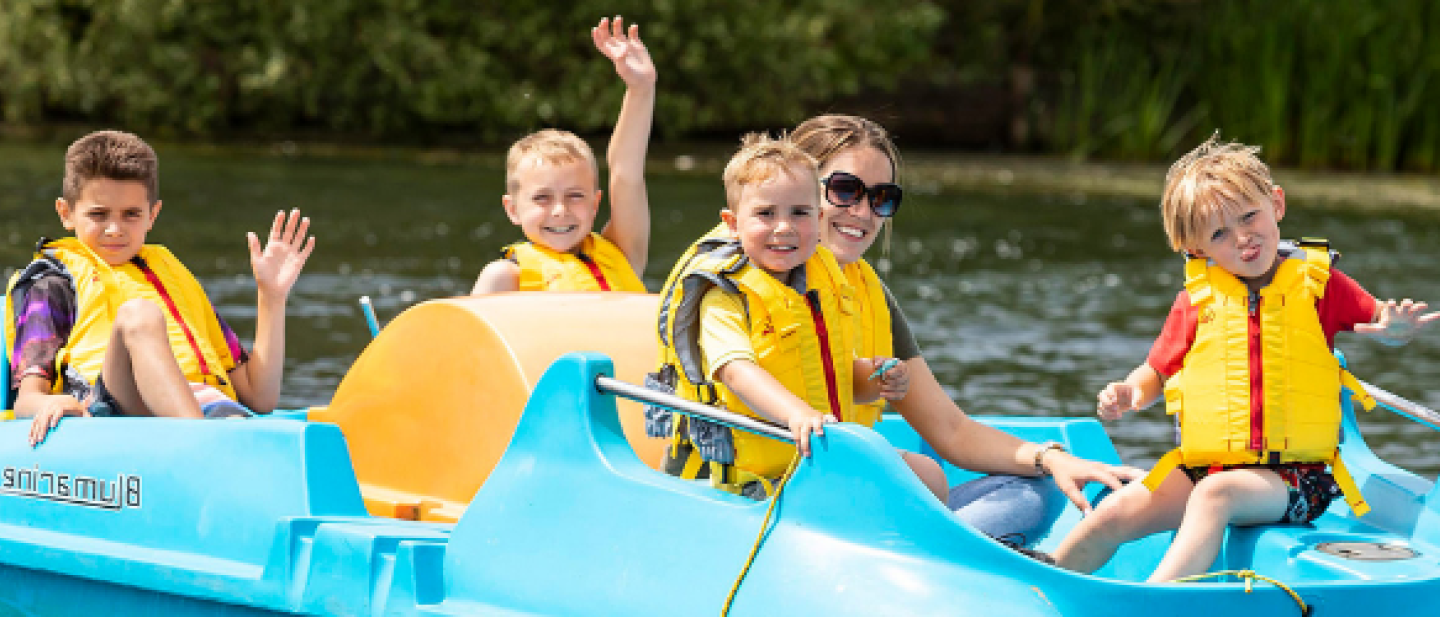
[{"x": 858, "y": 165}]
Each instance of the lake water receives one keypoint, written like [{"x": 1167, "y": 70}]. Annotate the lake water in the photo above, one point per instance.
[{"x": 1022, "y": 304}]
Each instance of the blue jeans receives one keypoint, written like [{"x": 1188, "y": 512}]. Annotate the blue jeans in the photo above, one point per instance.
[{"x": 1008, "y": 506}]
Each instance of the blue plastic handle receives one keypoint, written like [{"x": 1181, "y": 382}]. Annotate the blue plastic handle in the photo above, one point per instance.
[{"x": 370, "y": 320}]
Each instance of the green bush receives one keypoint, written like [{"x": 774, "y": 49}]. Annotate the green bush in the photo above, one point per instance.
[
  {"x": 1319, "y": 83},
  {"x": 413, "y": 69}
]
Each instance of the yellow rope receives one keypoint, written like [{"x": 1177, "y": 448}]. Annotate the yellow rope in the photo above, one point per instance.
[
  {"x": 760, "y": 537},
  {"x": 1249, "y": 576}
]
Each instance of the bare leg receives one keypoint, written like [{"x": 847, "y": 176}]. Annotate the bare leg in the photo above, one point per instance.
[
  {"x": 930, "y": 473},
  {"x": 1232, "y": 497},
  {"x": 1131, "y": 513},
  {"x": 140, "y": 369}
]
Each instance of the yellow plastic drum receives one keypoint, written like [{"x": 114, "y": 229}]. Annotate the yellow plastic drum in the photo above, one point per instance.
[{"x": 431, "y": 404}]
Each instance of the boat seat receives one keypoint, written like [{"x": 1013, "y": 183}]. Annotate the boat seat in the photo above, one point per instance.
[{"x": 432, "y": 402}]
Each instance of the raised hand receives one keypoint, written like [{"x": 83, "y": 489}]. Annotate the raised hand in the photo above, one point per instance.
[
  {"x": 278, "y": 265},
  {"x": 1116, "y": 399},
  {"x": 1397, "y": 323},
  {"x": 632, "y": 61}
]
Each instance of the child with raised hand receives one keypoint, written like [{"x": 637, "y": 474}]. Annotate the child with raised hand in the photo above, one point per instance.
[
  {"x": 553, "y": 193},
  {"x": 104, "y": 324},
  {"x": 1253, "y": 451},
  {"x": 773, "y": 332}
]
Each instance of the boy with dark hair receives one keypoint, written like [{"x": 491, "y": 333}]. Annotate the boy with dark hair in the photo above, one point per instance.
[{"x": 103, "y": 324}]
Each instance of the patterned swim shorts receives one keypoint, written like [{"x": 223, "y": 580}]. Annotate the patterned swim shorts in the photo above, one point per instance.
[{"x": 1311, "y": 488}]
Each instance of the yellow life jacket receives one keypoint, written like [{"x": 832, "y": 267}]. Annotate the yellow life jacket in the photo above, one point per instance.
[
  {"x": 806, "y": 342},
  {"x": 1302, "y": 378},
  {"x": 874, "y": 335},
  {"x": 873, "y": 331},
  {"x": 598, "y": 265},
  {"x": 194, "y": 330}
]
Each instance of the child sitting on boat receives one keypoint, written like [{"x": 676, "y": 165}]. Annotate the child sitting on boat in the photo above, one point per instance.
[
  {"x": 1245, "y": 360},
  {"x": 553, "y": 193},
  {"x": 104, "y": 324},
  {"x": 763, "y": 323}
]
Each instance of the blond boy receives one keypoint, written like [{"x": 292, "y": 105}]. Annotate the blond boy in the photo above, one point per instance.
[
  {"x": 553, "y": 193},
  {"x": 1248, "y": 295},
  {"x": 776, "y": 339},
  {"x": 104, "y": 324}
]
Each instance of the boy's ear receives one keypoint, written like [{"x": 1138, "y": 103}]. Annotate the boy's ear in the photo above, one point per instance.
[
  {"x": 63, "y": 209},
  {"x": 154, "y": 214},
  {"x": 1278, "y": 198},
  {"x": 509, "y": 203},
  {"x": 729, "y": 218}
]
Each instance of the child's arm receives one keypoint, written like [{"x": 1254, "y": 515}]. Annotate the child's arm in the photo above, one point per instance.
[
  {"x": 277, "y": 267},
  {"x": 1395, "y": 324},
  {"x": 1138, "y": 391},
  {"x": 871, "y": 383},
  {"x": 762, "y": 393},
  {"x": 499, "y": 275},
  {"x": 629, "y": 226},
  {"x": 34, "y": 400}
]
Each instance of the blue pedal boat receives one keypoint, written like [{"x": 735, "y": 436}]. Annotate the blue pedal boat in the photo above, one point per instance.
[{"x": 156, "y": 516}]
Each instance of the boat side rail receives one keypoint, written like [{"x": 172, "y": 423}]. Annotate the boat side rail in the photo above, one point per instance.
[
  {"x": 610, "y": 385},
  {"x": 1403, "y": 407}
]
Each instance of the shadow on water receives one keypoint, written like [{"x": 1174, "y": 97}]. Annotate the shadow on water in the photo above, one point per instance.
[{"x": 1022, "y": 304}]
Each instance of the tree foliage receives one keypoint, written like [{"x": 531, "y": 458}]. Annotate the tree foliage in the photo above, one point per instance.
[{"x": 413, "y": 69}]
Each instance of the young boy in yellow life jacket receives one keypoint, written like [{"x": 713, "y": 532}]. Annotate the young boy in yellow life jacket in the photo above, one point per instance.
[
  {"x": 765, "y": 324},
  {"x": 553, "y": 193},
  {"x": 1259, "y": 449},
  {"x": 104, "y": 324}
]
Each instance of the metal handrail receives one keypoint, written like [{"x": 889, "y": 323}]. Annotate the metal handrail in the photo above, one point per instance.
[
  {"x": 1404, "y": 407},
  {"x": 610, "y": 385}
]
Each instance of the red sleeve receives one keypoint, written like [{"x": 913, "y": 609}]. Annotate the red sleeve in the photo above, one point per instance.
[
  {"x": 1167, "y": 355},
  {"x": 1345, "y": 304}
]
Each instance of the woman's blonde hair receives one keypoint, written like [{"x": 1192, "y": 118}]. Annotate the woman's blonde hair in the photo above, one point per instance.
[
  {"x": 1214, "y": 178},
  {"x": 825, "y": 136}
]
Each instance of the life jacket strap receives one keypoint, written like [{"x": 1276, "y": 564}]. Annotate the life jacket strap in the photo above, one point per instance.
[
  {"x": 1348, "y": 488},
  {"x": 737, "y": 481},
  {"x": 1357, "y": 390},
  {"x": 1162, "y": 469}
]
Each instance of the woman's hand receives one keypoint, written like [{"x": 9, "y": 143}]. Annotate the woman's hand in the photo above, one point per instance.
[
  {"x": 1071, "y": 474},
  {"x": 895, "y": 381},
  {"x": 278, "y": 265},
  {"x": 52, "y": 408}
]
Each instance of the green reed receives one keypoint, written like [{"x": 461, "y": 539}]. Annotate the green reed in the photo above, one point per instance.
[{"x": 1317, "y": 83}]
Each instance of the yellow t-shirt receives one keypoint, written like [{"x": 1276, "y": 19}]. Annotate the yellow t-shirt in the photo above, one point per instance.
[{"x": 724, "y": 331}]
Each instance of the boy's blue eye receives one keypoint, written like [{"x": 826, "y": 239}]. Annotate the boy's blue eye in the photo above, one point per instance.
[{"x": 1219, "y": 233}]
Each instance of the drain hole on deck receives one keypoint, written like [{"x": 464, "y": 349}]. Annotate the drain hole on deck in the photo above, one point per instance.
[{"x": 1367, "y": 551}]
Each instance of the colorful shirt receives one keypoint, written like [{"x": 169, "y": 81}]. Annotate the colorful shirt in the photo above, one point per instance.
[{"x": 43, "y": 321}]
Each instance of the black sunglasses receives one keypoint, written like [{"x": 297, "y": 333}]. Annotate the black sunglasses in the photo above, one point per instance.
[{"x": 845, "y": 190}]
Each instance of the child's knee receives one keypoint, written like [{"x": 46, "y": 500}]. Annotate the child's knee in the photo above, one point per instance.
[
  {"x": 139, "y": 316},
  {"x": 1220, "y": 491},
  {"x": 1120, "y": 512}
]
